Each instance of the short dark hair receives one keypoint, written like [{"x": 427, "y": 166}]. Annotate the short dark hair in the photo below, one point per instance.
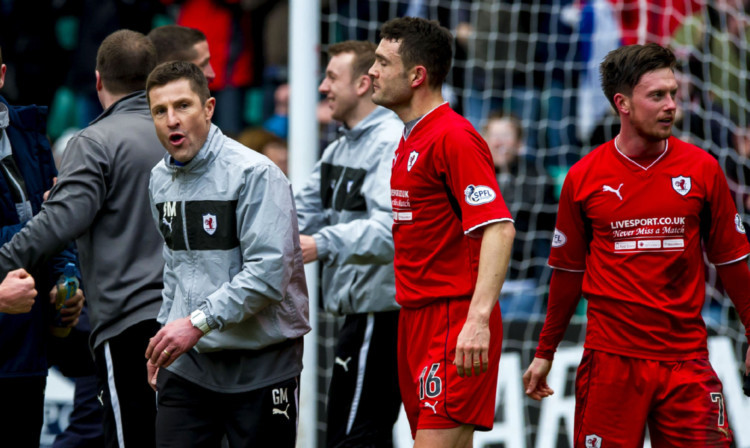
[
  {"x": 171, "y": 71},
  {"x": 175, "y": 42},
  {"x": 422, "y": 42},
  {"x": 124, "y": 60},
  {"x": 1, "y": 55},
  {"x": 622, "y": 68},
  {"x": 364, "y": 54}
]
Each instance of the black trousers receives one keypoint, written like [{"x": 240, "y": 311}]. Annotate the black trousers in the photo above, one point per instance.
[
  {"x": 364, "y": 397},
  {"x": 129, "y": 402},
  {"x": 22, "y": 410},
  {"x": 191, "y": 416}
]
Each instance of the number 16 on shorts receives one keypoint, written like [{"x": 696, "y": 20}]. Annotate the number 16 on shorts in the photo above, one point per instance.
[{"x": 430, "y": 385}]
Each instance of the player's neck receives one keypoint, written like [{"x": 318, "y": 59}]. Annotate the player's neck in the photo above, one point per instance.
[
  {"x": 635, "y": 146},
  {"x": 423, "y": 101},
  {"x": 360, "y": 112}
]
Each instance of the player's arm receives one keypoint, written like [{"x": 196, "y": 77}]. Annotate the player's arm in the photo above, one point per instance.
[
  {"x": 735, "y": 277},
  {"x": 473, "y": 342},
  {"x": 71, "y": 208},
  {"x": 564, "y": 294}
]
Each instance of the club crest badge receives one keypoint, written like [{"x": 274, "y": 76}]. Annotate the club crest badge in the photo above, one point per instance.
[
  {"x": 209, "y": 223},
  {"x": 412, "y": 160},
  {"x": 593, "y": 441},
  {"x": 681, "y": 185}
]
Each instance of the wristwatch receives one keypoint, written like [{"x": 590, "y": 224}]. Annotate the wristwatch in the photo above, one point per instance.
[{"x": 198, "y": 319}]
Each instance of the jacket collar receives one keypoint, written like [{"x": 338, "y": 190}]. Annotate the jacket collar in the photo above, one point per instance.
[
  {"x": 372, "y": 120},
  {"x": 135, "y": 101}
]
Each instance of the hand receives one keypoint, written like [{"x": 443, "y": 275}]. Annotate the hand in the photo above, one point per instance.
[
  {"x": 45, "y": 196},
  {"x": 535, "y": 379},
  {"x": 473, "y": 348},
  {"x": 17, "y": 292},
  {"x": 309, "y": 248},
  {"x": 71, "y": 311},
  {"x": 153, "y": 371},
  {"x": 171, "y": 341}
]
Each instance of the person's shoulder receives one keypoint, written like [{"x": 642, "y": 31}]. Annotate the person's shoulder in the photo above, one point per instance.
[
  {"x": 28, "y": 118},
  {"x": 689, "y": 149},
  {"x": 235, "y": 155},
  {"x": 599, "y": 155},
  {"x": 692, "y": 155},
  {"x": 449, "y": 121}
]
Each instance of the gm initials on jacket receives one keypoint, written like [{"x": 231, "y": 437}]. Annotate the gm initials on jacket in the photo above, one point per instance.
[{"x": 199, "y": 225}]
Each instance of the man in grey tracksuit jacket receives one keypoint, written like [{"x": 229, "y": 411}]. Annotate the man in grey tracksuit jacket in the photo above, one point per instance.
[
  {"x": 233, "y": 264},
  {"x": 345, "y": 218},
  {"x": 101, "y": 202}
]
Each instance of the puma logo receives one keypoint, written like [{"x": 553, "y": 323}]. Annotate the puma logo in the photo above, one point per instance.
[
  {"x": 343, "y": 363},
  {"x": 280, "y": 412},
  {"x": 431, "y": 406},
  {"x": 167, "y": 223},
  {"x": 100, "y": 397},
  {"x": 612, "y": 190}
]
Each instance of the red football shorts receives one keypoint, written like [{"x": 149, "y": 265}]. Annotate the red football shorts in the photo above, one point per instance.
[
  {"x": 434, "y": 396},
  {"x": 617, "y": 396}
]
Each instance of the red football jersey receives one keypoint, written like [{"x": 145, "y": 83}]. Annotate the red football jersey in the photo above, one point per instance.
[
  {"x": 443, "y": 188},
  {"x": 637, "y": 233}
]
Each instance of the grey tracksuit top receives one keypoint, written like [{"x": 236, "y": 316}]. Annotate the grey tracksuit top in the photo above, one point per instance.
[
  {"x": 231, "y": 246},
  {"x": 346, "y": 207}
]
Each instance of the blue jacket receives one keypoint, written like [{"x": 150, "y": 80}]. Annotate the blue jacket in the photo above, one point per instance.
[{"x": 23, "y": 336}]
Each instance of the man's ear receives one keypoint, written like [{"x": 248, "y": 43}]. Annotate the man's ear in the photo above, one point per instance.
[
  {"x": 364, "y": 85},
  {"x": 2, "y": 75},
  {"x": 417, "y": 76},
  {"x": 622, "y": 103},
  {"x": 210, "y": 106},
  {"x": 99, "y": 85}
]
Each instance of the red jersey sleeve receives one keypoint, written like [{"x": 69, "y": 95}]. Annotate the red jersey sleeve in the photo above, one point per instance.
[
  {"x": 736, "y": 277},
  {"x": 470, "y": 175},
  {"x": 726, "y": 238},
  {"x": 564, "y": 295},
  {"x": 569, "y": 243}
]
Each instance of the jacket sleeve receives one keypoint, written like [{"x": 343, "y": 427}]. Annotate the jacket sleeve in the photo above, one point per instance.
[
  {"x": 269, "y": 243},
  {"x": 69, "y": 211},
  {"x": 309, "y": 204},
  {"x": 364, "y": 241}
]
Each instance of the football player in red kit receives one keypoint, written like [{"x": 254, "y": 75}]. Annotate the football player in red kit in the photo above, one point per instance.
[
  {"x": 452, "y": 236},
  {"x": 634, "y": 217}
]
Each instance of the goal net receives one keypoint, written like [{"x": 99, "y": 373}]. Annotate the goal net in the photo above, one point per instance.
[{"x": 538, "y": 61}]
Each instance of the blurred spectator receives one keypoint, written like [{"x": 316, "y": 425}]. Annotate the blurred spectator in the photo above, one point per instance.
[
  {"x": 268, "y": 144},
  {"x": 529, "y": 195},
  {"x": 278, "y": 123}
]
